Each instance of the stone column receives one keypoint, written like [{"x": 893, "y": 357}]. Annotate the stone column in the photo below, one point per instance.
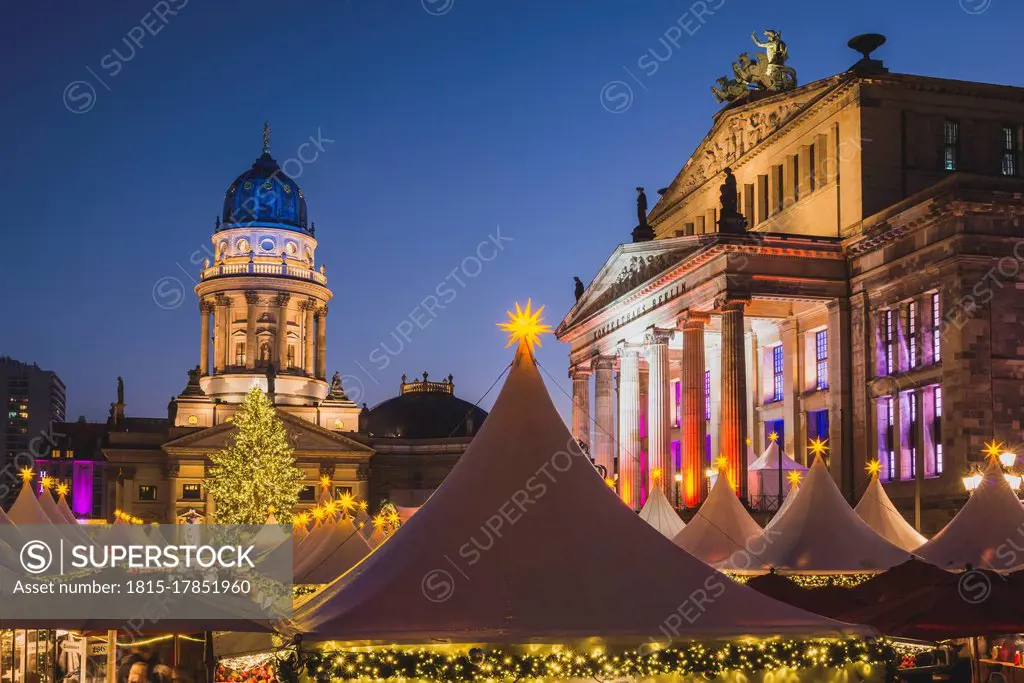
[
  {"x": 659, "y": 417},
  {"x": 844, "y": 463},
  {"x": 629, "y": 425},
  {"x": 694, "y": 408},
  {"x": 321, "y": 343},
  {"x": 581, "y": 404},
  {"x": 252, "y": 299},
  {"x": 734, "y": 394},
  {"x": 794, "y": 445},
  {"x": 205, "y": 308},
  {"x": 307, "y": 360},
  {"x": 281, "y": 362},
  {"x": 221, "y": 315},
  {"x": 604, "y": 404}
]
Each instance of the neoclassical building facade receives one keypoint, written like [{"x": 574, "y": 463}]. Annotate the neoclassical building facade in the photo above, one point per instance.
[
  {"x": 263, "y": 305},
  {"x": 836, "y": 262}
]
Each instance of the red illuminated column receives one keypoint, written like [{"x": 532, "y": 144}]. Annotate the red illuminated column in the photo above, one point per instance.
[
  {"x": 693, "y": 407},
  {"x": 734, "y": 393}
]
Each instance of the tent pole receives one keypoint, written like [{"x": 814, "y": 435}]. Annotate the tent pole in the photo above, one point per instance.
[{"x": 112, "y": 656}]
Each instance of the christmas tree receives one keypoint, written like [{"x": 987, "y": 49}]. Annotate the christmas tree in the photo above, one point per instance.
[{"x": 256, "y": 474}]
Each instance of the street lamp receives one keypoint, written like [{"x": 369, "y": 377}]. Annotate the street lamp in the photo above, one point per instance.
[
  {"x": 972, "y": 481},
  {"x": 679, "y": 484},
  {"x": 1007, "y": 459}
]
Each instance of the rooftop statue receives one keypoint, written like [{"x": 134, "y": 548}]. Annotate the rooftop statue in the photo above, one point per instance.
[{"x": 766, "y": 71}]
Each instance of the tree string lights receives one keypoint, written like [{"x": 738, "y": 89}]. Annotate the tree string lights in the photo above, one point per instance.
[{"x": 257, "y": 471}]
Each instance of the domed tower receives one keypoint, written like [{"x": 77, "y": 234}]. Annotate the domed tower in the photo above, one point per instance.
[{"x": 263, "y": 302}]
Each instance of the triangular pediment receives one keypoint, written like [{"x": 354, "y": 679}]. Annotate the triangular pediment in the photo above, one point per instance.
[
  {"x": 739, "y": 132},
  {"x": 630, "y": 267},
  {"x": 303, "y": 435}
]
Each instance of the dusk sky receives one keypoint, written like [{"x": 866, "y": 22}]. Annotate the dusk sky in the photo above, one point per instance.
[{"x": 440, "y": 123}]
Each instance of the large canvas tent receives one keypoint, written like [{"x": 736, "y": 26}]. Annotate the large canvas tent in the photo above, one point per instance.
[
  {"x": 723, "y": 533},
  {"x": 987, "y": 531},
  {"x": 877, "y": 510},
  {"x": 524, "y": 542},
  {"x": 820, "y": 533}
]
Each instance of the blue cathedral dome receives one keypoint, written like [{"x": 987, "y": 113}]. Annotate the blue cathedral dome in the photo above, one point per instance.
[{"x": 265, "y": 196}]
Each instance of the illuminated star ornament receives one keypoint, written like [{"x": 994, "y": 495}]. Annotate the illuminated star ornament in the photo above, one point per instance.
[
  {"x": 62, "y": 489},
  {"x": 721, "y": 462},
  {"x": 656, "y": 473},
  {"x": 873, "y": 468},
  {"x": 27, "y": 474},
  {"x": 794, "y": 478},
  {"x": 773, "y": 437},
  {"x": 525, "y": 326},
  {"x": 817, "y": 447},
  {"x": 993, "y": 450},
  {"x": 47, "y": 483}
]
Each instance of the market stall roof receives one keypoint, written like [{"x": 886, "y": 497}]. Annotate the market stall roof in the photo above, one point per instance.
[
  {"x": 790, "y": 497},
  {"x": 65, "y": 511},
  {"x": 334, "y": 557},
  {"x": 660, "y": 514},
  {"x": 722, "y": 531},
  {"x": 983, "y": 532},
  {"x": 772, "y": 458},
  {"x": 820, "y": 533},
  {"x": 26, "y": 508},
  {"x": 974, "y": 603},
  {"x": 523, "y": 542},
  {"x": 877, "y": 510}
]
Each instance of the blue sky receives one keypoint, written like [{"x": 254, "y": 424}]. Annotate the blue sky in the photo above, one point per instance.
[{"x": 447, "y": 119}]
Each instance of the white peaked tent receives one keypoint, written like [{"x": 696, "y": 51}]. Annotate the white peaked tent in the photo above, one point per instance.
[
  {"x": 658, "y": 512},
  {"x": 820, "y": 533},
  {"x": 722, "y": 532},
  {"x": 26, "y": 508},
  {"x": 335, "y": 556},
  {"x": 987, "y": 532},
  {"x": 62, "y": 505},
  {"x": 877, "y": 510},
  {"x": 763, "y": 474},
  {"x": 790, "y": 497},
  {"x": 462, "y": 570},
  {"x": 49, "y": 506}
]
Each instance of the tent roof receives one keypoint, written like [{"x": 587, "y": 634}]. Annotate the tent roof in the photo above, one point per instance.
[
  {"x": 877, "y": 510},
  {"x": 334, "y": 557},
  {"x": 26, "y": 508},
  {"x": 62, "y": 505},
  {"x": 523, "y": 542},
  {"x": 660, "y": 514},
  {"x": 769, "y": 460},
  {"x": 49, "y": 506},
  {"x": 982, "y": 532},
  {"x": 790, "y": 497},
  {"x": 721, "y": 531},
  {"x": 820, "y": 532}
]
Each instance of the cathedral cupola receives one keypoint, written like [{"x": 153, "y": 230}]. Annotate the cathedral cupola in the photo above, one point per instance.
[{"x": 264, "y": 196}]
